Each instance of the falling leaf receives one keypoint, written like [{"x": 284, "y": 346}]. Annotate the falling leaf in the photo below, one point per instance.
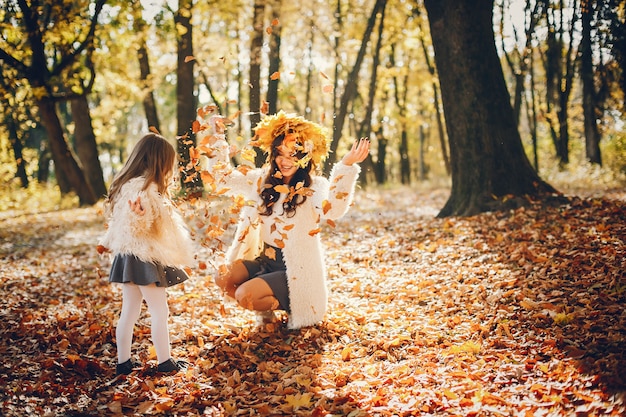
[
  {"x": 314, "y": 231},
  {"x": 189, "y": 58},
  {"x": 270, "y": 252},
  {"x": 275, "y": 75},
  {"x": 281, "y": 188}
]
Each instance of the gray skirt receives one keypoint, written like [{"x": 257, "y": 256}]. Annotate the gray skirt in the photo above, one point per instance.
[
  {"x": 129, "y": 268},
  {"x": 273, "y": 272}
]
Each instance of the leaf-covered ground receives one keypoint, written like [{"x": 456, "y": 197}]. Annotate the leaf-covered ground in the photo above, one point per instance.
[{"x": 517, "y": 313}]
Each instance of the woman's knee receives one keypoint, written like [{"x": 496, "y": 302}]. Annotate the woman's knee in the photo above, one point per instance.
[{"x": 232, "y": 276}]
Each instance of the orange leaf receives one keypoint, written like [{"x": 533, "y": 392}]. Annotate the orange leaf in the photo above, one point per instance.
[
  {"x": 189, "y": 58},
  {"x": 275, "y": 75},
  {"x": 328, "y": 88},
  {"x": 326, "y": 206},
  {"x": 314, "y": 231},
  {"x": 281, "y": 188}
]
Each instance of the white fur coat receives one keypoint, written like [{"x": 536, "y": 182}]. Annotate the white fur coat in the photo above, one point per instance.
[
  {"x": 303, "y": 252},
  {"x": 159, "y": 235}
]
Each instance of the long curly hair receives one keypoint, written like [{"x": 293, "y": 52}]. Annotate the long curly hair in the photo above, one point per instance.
[{"x": 270, "y": 196}]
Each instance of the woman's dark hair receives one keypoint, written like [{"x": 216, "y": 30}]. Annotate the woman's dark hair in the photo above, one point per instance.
[{"x": 270, "y": 196}]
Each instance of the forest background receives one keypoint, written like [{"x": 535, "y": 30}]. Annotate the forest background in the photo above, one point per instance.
[
  {"x": 481, "y": 270},
  {"x": 82, "y": 81}
]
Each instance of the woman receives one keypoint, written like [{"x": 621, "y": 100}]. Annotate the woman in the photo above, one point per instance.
[{"x": 276, "y": 259}]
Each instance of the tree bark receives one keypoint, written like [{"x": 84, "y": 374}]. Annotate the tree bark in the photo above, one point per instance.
[
  {"x": 185, "y": 100},
  {"x": 592, "y": 133},
  {"x": 86, "y": 147},
  {"x": 62, "y": 154},
  {"x": 488, "y": 162},
  {"x": 16, "y": 144},
  {"x": 274, "y": 55},
  {"x": 256, "y": 46},
  {"x": 351, "y": 86}
]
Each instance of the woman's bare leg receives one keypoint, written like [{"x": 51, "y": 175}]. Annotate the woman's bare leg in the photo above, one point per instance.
[
  {"x": 257, "y": 295},
  {"x": 232, "y": 278}
]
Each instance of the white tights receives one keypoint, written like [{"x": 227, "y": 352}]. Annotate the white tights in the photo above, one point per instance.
[{"x": 156, "y": 298}]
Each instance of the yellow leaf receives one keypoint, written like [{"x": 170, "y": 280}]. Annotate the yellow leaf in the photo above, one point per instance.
[
  {"x": 281, "y": 188},
  {"x": 346, "y": 353},
  {"x": 299, "y": 400},
  {"x": 450, "y": 394}
]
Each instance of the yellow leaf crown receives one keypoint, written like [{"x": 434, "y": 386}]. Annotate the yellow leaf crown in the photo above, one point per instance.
[{"x": 306, "y": 137}]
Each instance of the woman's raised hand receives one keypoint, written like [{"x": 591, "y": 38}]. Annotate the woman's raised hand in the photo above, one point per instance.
[{"x": 357, "y": 153}]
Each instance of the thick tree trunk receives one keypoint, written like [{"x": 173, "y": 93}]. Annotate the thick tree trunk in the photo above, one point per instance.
[
  {"x": 592, "y": 133},
  {"x": 86, "y": 147},
  {"x": 185, "y": 100},
  {"x": 487, "y": 158},
  {"x": 274, "y": 64},
  {"x": 256, "y": 46},
  {"x": 61, "y": 153}
]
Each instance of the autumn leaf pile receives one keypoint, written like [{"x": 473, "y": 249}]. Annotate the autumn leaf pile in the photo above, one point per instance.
[{"x": 514, "y": 313}]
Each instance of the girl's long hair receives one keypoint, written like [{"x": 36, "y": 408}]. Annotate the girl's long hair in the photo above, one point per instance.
[
  {"x": 270, "y": 196},
  {"x": 153, "y": 157}
]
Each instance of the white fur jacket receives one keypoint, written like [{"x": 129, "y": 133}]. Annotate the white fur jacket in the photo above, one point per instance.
[
  {"x": 159, "y": 235},
  {"x": 302, "y": 252}
]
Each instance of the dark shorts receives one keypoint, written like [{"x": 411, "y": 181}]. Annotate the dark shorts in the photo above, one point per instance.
[
  {"x": 272, "y": 271},
  {"x": 129, "y": 268}
]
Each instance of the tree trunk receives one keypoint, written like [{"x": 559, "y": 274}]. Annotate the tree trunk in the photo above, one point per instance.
[
  {"x": 351, "y": 86},
  {"x": 274, "y": 55},
  {"x": 149, "y": 104},
  {"x": 256, "y": 46},
  {"x": 436, "y": 104},
  {"x": 185, "y": 101},
  {"x": 61, "y": 153},
  {"x": 487, "y": 157},
  {"x": 592, "y": 133},
  {"x": 86, "y": 147},
  {"x": 16, "y": 144}
]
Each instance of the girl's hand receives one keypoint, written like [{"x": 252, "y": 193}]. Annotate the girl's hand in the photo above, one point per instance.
[
  {"x": 136, "y": 207},
  {"x": 359, "y": 151}
]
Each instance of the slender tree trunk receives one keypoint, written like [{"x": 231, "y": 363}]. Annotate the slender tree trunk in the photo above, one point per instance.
[
  {"x": 86, "y": 147},
  {"x": 256, "y": 46},
  {"x": 16, "y": 144},
  {"x": 61, "y": 153},
  {"x": 592, "y": 133},
  {"x": 487, "y": 157},
  {"x": 437, "y": 105},
  {"x": 351, "y": 86},
  {"x": 149, "y": 104}
]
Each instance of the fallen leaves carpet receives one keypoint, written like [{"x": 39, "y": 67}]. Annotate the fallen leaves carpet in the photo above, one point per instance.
[{"x": 516, "y": 313}]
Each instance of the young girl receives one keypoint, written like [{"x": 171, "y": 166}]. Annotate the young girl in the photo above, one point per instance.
[
  {"x": 149, "y": 241},
  {"x": 276, "y": 259}
]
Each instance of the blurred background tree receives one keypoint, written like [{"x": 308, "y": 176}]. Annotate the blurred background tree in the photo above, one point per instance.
[{"x": 83, "y": 80}]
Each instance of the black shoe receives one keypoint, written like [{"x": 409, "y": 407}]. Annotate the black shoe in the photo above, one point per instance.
[
  {"x": 172, "y": 365},
  {"x": 126, "y": 367}
]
